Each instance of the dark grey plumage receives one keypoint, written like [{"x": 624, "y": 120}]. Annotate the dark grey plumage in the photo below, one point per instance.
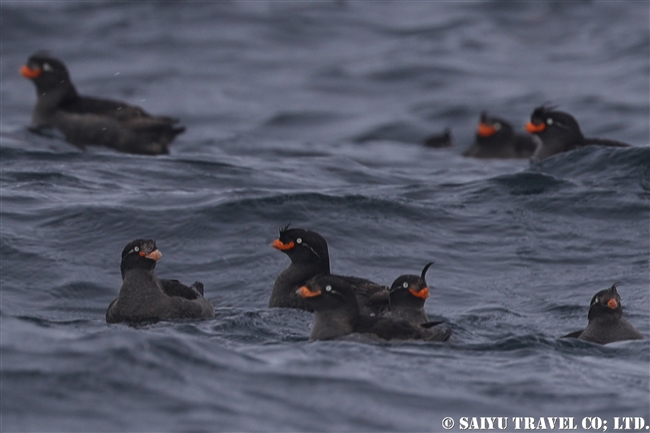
[
  {"x": 559, "y": 132},
  {"x": 407, "y": 296},
  {"x": 309, "y": 256},
  {"x": 92, "y": 121},
  {"x": 336, "y": 314},
  {"x": 440, "y": 140},
  {"x": 496, "y": 138},
  {"x": 144, "y": 297},
  {"x": 606, "y": 321}
]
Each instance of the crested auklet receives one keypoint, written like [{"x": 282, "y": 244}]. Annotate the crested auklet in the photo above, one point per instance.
[
  {"x": 559, "y": 132},
  {"x": 309, "y": 256},
  {"x": 86, "y": 120},
  {"x": 406, "y": 297},
  {"x": 606, "y": 321},
  {"x": 144, "y": 297}
]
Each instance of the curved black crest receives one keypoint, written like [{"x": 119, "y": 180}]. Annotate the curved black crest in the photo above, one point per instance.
[{"x": 426, "y": 268}]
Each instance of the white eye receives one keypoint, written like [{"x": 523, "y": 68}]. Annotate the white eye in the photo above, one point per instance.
[
  {"x": 497, "y": 126},
  {"x": 47, "y": 67},
  {"x": 328, "y": 288},
  {"x": 405, "y": 285},
  {"x": 136, "y": 249},
  {"x": 596, "y": 300},
  {"x": 549, "y": 121},
  {"x": 299, "y": 241}
]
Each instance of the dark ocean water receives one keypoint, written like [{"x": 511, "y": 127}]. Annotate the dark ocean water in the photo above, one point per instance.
[{"x": 312, "y": 113}]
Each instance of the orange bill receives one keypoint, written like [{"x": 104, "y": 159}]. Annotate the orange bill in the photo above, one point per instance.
[
  {"x": 154, "y": 255},
  {"x": 306, "y": 293},
  {"x": 422, "y": 293},
  {"x": 612, "y": 304},
  {"x": 485, "y": 130},
  {"x": 533, "y": 128},
  {"x": 30, "y": 73},
  {"x": 278, "y": 245}
]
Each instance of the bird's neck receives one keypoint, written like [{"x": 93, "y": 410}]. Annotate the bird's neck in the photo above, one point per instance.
[
  {"x": 292, "y": 278},
  {"x": 331, "y": 324},
  {"x": 139, "y": 282},
  {"x": 52, "y": 98},
  {"x": 410, "y": 313},
  {"x": 605, "y": 315}
]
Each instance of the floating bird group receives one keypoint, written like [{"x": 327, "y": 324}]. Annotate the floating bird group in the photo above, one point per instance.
[
  {"x": 86, "y": 121},
  {"x": 549, "y": 132},
  {"x": 496, "y": 138},
  {"x": 342, "y": 305},
  {"x": 337, "y": 314}
]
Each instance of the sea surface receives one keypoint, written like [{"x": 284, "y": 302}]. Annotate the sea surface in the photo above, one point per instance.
[{"x": 313, "y": 113}]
